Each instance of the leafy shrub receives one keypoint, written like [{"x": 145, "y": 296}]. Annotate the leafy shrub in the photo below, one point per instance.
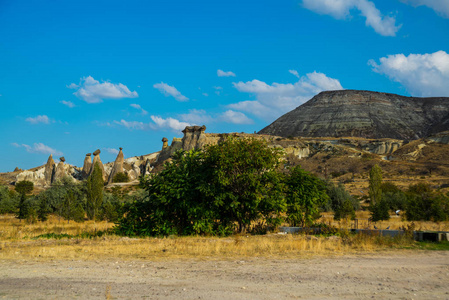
[
  {"x": 121, "y": 177},
  {"x": 425, "y": 204},
  {"x": 340, "y": 201},
  {"x": 9, "y": 200}
]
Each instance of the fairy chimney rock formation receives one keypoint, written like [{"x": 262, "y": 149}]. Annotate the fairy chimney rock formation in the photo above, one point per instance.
[
  {"x": 164, "y": 143},
  {"x": 97, "y": 160},
  {"x": 118, "y": 166},
  {"x": 60, "y": 170},
  {"x": 194, "y": 137},
  {"x": 87, "y": 165},
  {"x": 49, "y": 170}
]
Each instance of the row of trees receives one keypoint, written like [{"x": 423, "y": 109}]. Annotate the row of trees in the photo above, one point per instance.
[
  {"x": 67, "y": 199},
  {"x": 226, "y": 188},
  {"x": 420, "y": 202}
]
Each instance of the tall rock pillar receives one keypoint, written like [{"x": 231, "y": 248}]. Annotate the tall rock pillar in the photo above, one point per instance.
[
  {"x": 60, "y": 170},
  {"x": 87, "y": 165},
  {"x": 118, "y": 166},
  {"x": 49, "y": 170},
  {"x": 97, "y": 160}
]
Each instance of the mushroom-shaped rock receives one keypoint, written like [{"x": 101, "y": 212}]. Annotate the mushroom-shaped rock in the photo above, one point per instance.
[
  {"x": 87, "y": 165},
  {"x": 97, "y": 160},
  {"x": 62, "y": 159},
  {"x": 49, "y": 170},
  {"x": 164, "y": 143},
  {"x": 194, "y": 137},
  {"x": 118, "y": 166},
  {"x": 60, "y": 171}
]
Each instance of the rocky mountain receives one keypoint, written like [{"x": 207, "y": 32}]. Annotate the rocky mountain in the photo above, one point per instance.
[
  {"x": 374, "y": 115},
  {"x": 316, "y": 154}
]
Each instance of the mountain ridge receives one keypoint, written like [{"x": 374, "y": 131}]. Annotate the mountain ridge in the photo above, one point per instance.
[{"x": 367, "y": 114}]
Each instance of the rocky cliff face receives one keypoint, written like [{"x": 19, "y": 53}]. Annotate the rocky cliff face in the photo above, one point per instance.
[{"x": 351, "y": 113}]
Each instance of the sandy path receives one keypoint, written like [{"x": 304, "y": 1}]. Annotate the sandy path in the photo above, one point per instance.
[{"x": 402, "y": 275}]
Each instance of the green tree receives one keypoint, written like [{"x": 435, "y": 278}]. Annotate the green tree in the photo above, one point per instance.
[
  {"x": 244, "y": 184},
  {"x": 424, "y": 204},
  {"x": 94, "y": 191},
  {"x": 9, "y": 200},
  {"x": 26, "y": 210},
  {"x": 380, "y": 211},
  {"x": 341, "y": 202},
  {"x": 209, "y": 192},
  {"x": 305, "y": 195},
  {"x": 121, "y": 177},
  {"x": 24, "y": 187},
  {"x": 175, "y": 203},
  {"x": 345, "y": 210},
  {"x": 72, "y": 207},
  {"x": 375, "y": 184}
]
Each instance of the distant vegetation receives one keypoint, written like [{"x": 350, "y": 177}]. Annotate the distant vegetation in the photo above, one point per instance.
[{"x": 240, "y": 185}]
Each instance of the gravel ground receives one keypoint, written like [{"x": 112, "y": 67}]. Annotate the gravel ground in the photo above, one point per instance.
[{"x": 386, "y": 275}]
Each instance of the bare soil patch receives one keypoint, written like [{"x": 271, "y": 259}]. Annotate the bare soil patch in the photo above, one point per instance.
[{"x": 386, "y": 275}]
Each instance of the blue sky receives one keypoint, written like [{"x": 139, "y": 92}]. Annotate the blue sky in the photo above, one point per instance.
[{"x": 76, "y": 76}]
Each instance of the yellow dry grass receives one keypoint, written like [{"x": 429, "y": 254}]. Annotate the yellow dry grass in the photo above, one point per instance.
[
  {"x": 15, "y": 229},
  {"x": 16, "y": 242},
  {"x": 394, "y": 223}
]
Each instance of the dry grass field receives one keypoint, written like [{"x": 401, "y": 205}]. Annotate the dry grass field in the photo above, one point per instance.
[{"x": 58, "y": 239}]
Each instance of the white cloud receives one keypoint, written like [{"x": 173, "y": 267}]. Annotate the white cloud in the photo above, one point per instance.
[
  {"x": 169, "y": 90},
  {"x": 205, "y": 94},
  {"x": 92, "y": 91},
  {"x": 294, "y": 72},
  {"x": 235, "y": 117},
  {"x": 38, "y": 148},
  {"x": 341, "y": 9},
  {"x": 221, "y": 73},
  {"x": 423, "y": 75},
  {"x": 111, "y": 150},
  {"x": 68, "y": 103},
  {"x": 169, "y": 123},
  {"x": 72, "y": 86},
  {"x": 39, "y": 119},
  {"x": 138, "y": 107},
  {"x": 158, "y": 123},
  {"x": 278, "y": 98},
  {"x": 439, "y": 6},
  {"x": 196, "y": 117},
  {"x": 132, "y": 125}
]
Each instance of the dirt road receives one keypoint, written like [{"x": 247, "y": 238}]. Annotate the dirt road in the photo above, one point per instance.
[{"x": 386, "y": 275}]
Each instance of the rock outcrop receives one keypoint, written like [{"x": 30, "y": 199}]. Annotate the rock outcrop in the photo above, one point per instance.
[
  {"x": 194, "y": 137},
  {"x": 87, "y": 165},
  {"x": 373, "y": 115},
  {"x": 118, "y": 166},
  {"x": 60, "y": 171},
  {"x": 96, "y": 161},
  {"x": 49, "y": 170}
]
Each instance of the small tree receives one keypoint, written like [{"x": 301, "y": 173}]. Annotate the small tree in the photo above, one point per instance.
[
  {"x": 121, "y": 177},
  {"x": 424, "y": 204},
  {"x": 380, "y": 211},
  {"x": 341, "y": 202},
  {"x": 24, "y": 187},
  {"x": 94, "y": 191},
  {"x": 305, "y": 194},
  {"x": 9, "y": 200},
  {"x": 375, "y": 184}
]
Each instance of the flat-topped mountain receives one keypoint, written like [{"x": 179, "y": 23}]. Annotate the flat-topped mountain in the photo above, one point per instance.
[{"x": 366, "y": 114}]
